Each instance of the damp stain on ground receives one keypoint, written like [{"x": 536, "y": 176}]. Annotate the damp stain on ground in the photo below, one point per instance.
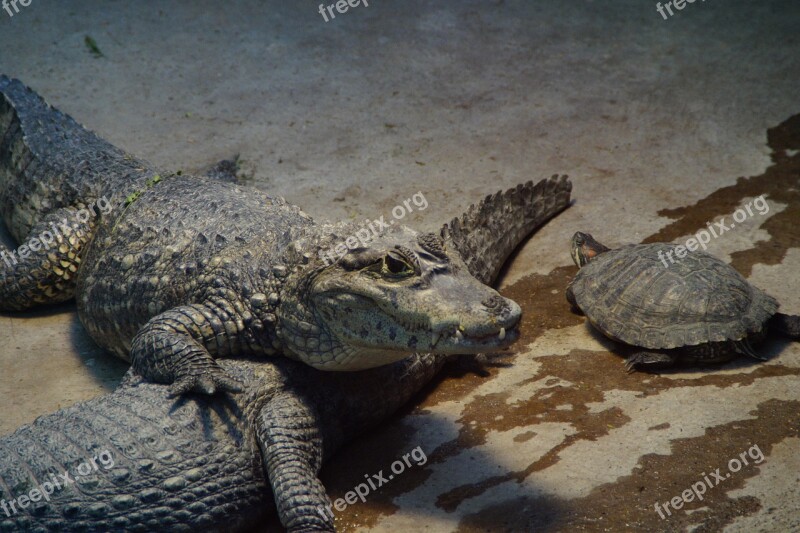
[
  {"x": 589, "y": 375},
  {"x": 628, "y": 504},
  {"x": 572, "y": 390},
  {"x": 780, "y": 183}
]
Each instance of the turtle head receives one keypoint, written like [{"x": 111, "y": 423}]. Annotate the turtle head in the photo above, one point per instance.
[
  {"x": 585, "y": 248},
  {"x": 400, "y": 293}
]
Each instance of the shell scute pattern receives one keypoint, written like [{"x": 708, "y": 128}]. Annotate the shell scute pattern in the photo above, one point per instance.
[{"x": 633, "y": 297}]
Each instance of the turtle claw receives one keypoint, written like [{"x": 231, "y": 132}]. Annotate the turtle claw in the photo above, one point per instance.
[
  {"x": 207, "y": 382},
  {"x": 746, "y": 348},
  {"x": 648, "y": 361}
]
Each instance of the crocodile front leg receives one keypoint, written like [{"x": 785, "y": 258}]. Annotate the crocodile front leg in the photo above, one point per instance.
[
  {"x": 177, "y": 346},
  {"x": 42, "y": 270},
  {"x": 291, "y": 446}
]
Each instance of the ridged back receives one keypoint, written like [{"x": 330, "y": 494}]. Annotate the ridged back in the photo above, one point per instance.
[
  {"x": 48, "y": 161},
  {"x": 491, "y": 230}
]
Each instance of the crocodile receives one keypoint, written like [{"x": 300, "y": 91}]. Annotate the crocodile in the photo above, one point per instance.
[
  {"x": 198, "y": 462},
  {"x": 173, "y": 271}
]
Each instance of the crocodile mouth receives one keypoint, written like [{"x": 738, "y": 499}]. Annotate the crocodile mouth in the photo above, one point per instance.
[
  {"x": 448, "y": 338},
  {"x": 453, "y": 339}
]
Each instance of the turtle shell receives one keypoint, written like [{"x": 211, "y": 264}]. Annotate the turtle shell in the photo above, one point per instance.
[{"x": 630, "y": 295}]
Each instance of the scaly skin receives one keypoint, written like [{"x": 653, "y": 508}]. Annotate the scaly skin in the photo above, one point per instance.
[
  {"x": 197, "y": 267},
  {"x": 209, "y": 464},
  {"x": 184, "y": 269},
  {"x": 196, "y": 464},
  {"x": 50, "y": 169}
]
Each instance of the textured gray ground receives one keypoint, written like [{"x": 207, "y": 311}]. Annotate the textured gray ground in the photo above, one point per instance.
[{"x": 459, "y": 99}]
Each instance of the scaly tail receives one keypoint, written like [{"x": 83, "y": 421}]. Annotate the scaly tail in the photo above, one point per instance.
[
  {"x": 58, "y": 181},
  {"x": 133, "y": 461},
  {"x": 490, "y": 231}
]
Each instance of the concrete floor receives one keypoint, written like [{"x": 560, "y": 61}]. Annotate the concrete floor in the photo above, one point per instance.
[{"x": 662, "y": 125}]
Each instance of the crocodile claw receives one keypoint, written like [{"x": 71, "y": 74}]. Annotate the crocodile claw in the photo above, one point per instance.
[{"x": 208, "y": 382}]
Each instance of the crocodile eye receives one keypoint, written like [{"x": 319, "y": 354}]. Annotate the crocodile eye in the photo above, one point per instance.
[{"x": 395, "y": 266}]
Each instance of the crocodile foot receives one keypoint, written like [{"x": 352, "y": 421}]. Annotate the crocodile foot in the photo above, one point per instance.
[{"x": 208, "y": 381}]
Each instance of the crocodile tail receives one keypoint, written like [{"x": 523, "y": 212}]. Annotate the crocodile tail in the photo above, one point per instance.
[
  {"x": 49, "y": 161},
  {"x": 491, "y": 230},
  {"x": 131, "y": 460}
]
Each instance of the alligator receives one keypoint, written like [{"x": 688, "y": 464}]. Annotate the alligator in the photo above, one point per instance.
[
  {"x": 171, "y": 272},
  {"x": 155, "y": 463}
]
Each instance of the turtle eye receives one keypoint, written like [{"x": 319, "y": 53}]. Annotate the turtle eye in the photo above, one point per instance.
[{"x": 395, "y": 266}]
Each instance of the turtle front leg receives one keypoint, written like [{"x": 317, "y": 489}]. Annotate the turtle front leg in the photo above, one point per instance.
[
  {"x": 43, "y": 269},
  {"x": 176, "y": 347},
  {"x": 649, "y": 360},
  {"x": 571, "y": 299},
  {"x": 291, "y": 446}
]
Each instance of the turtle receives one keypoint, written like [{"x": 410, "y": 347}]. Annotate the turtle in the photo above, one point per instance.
[{"x": 694, "y": 310}]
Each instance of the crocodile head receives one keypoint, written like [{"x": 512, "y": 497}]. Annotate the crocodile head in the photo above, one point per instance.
[{"x": 401, "y": 293}]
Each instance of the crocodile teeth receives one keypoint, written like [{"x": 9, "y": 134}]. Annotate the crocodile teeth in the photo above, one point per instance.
[
  {"x": 502, "y": 333},
  {"x": 459, "y": 335}
]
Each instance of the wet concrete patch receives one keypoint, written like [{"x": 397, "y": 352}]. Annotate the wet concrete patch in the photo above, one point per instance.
[
  {"x": 780, "y": 183},
  {"x": 628, "y": 504},
  {"x": 581, "y": 380}
]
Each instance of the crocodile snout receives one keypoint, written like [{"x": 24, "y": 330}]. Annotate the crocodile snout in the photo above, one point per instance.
[
  {"x": 502, "y": 308},
  {"x": 505, "y": 314}
]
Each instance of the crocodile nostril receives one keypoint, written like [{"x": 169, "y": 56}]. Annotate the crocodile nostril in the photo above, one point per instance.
[{"x": 496, "y": 304}]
